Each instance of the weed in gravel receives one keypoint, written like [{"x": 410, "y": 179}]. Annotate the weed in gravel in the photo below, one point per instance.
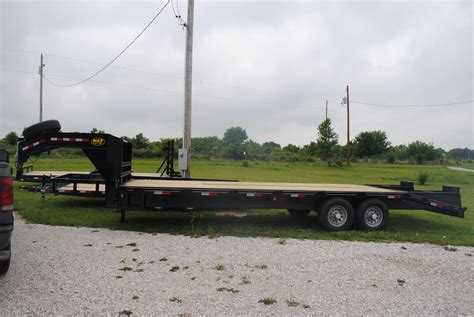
[
  {"x": 151, "y": 262},
  {"x": 135, "y": 297},
  {"x": 88, "y": 245},
  {"x": 193, "y": 278},
  {"x": 403, "y": 247},
  {"x": 95, "y": 230},
  {"x": 261, "y": 266},
  {"x": 163, "y": 259},
  {"x": 34, "y": 241},
  {"x": 176, "y": 299},
  {"x": 122, "y": 261},
  {"x": 185, "y": 267},
  {"x": 282, "y": 241},
  {"x": 268, "y": 301},
  {"x": 292, "y": 303},
  {"x": 138, "y": 270},
  {"x": 136, "y": 250},
  {"x": 119, "y": 276},
  {"x": 184, "y": 315},
  {"x": 228, "y": 289},
  {"x": 132, "y": 244},
  {"x": 450, "y": 248},
  {"x": 119, "y": 246},
  {"x": 374, "y": 285},
  {"x": 174, "y": 269},
  {"x": 306, "y": 306},
  {"x": 126, "y": 268},
  {"x": 125, "y": 312},
  {"x": 244, "y": 280},
  {"x": 231, "y": 276},
  {"x": 220, "y": 267},
  {"x": 138, "y": 262},
  {"x": 468, "y": 254},
  {"x": 400, "y": 281}
]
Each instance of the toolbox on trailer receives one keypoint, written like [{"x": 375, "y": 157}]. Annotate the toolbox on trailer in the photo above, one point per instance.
[{"x": 338, "y": 205}]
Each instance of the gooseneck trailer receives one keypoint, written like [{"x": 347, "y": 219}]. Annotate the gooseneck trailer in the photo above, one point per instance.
[{"x": 339, "y": 206}]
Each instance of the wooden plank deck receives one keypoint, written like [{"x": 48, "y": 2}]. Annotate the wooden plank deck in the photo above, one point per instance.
[{"x": 252, "y": 186}]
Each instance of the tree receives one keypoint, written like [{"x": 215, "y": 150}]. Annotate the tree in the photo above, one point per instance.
[
  {"x": 291, "y": 148},
  {"x": 235, "y": 135},
  {"x": 11, "y": 138},
  {"x": 370, "y": 143},
  {"x": 95, "y": 130},
  {"x": 140, "y": 141},
  {"x": 327, "y": 146},
  {"x": 422, "y": 152}
]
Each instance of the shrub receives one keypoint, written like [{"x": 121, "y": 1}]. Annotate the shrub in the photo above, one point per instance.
[{"x": 422, "y": 177}]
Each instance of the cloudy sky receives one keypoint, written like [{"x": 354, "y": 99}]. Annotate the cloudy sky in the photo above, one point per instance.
[{"x": 267, "y": 66}]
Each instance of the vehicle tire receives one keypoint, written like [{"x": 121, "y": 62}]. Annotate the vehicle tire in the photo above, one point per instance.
[
  {"x": 336, "y": 214},
  {"x": 372, "y": 214},
  {"x": 5, "y": 265},
  {"x": 300, "y": 213},
  {"x": 37, "y": 129}
]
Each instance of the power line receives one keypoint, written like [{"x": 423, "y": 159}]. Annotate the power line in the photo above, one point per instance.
[
  {"x": 415, "y": 105},
  {"x": 120, "y": 54}
]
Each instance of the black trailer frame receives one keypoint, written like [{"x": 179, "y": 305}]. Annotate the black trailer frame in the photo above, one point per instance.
[{"x": 112, "y": 158}]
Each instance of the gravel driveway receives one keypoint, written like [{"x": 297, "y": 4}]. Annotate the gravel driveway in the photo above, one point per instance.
[{"x": 78, "y": 271}]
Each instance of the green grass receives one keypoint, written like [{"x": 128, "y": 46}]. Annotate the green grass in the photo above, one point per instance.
[{"x": 412, "y": 226}]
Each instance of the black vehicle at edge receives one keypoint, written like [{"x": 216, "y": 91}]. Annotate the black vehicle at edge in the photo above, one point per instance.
[{"x": 6, "y": 212}]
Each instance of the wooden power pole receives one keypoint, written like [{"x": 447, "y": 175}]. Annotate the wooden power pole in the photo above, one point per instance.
[
  {"x": 185, "y": 155},
  {"x": 41, "y": 88},
  {"x": 348, "y": 128}
]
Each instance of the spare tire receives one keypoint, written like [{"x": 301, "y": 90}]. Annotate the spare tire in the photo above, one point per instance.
[{"x": 39, "y": 128}]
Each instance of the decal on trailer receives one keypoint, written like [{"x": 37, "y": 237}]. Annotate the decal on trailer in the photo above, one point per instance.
[{"x": 97, "y": 141}]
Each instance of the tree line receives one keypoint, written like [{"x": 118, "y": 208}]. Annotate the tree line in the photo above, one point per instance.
[{"x": 236, "y": 145}]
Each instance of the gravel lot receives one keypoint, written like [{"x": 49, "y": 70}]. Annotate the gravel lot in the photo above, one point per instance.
[{"x": 76, "y": 271}]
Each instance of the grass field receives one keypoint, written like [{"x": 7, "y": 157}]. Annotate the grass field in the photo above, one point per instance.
[{"x": 413, "y": 226}]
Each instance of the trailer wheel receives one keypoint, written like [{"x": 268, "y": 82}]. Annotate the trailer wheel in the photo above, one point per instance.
[
  {"x": 336, "y": 214},
  {"x": 372, "y": 214},
  {"x": 300, "y": 213},
  {"x": 37, "y": 129}
]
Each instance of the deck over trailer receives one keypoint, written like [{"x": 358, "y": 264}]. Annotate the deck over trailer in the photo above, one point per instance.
[{"x": 338, "y": 205}]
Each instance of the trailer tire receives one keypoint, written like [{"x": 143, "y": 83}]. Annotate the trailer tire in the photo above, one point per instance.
[
  {"x": 299, "y": 213},
  {"x": 39, "y": 128},
  {"x": 336, "y": 214},
  {"x": 372, "y": 214}
]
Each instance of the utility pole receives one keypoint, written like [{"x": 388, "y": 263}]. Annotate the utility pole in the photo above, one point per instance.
[
  {"x": 348, "y": 128},
  {"x": 326, "y": 109},
  {"x": 185, "y": 155},
  {"x": 41, "y": 88}
]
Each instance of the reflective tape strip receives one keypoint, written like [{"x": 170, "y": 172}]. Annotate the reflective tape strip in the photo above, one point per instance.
[
  {"x": 210, "y": 194},
  {"x": 158, "y": 192},
  {"x": 69, "y": 139},
  {"x": 254, "y": 194},
  {"x": 297, "y": 195},
  {"x": 398, "y": 197},
  {"x": 29, "y": 146}
]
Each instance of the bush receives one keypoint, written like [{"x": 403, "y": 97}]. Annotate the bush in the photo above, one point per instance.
[
  {"x": 422, "y": 177},
  {"x": 245, "y": 164}
]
